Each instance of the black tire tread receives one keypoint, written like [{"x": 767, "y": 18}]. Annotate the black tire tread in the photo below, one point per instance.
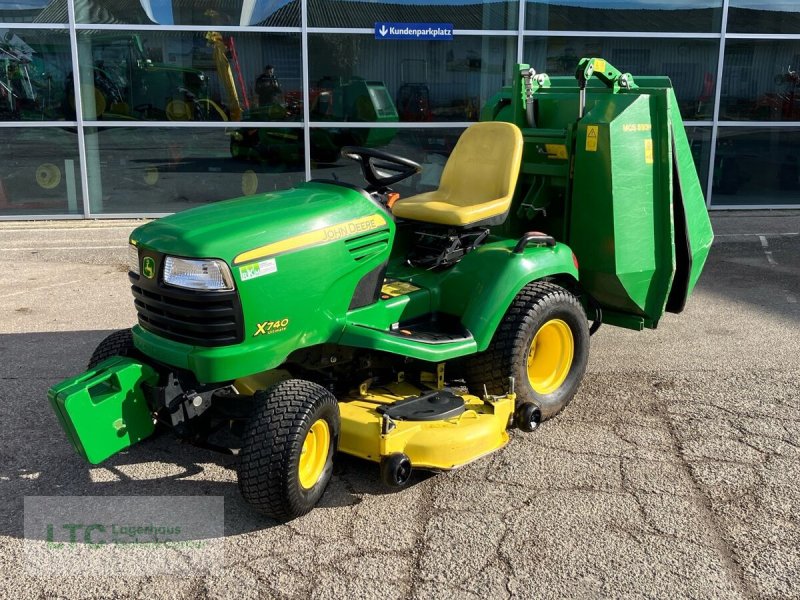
[
  {"x": 271, "y": 440},
  {"x": 490, "y": 366},
  {"x": 119, "y": 343}
]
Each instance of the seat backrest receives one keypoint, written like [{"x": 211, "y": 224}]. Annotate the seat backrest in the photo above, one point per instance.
[{"x": 484, "y": 165}]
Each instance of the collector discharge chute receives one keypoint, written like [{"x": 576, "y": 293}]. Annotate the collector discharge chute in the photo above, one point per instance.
[{"x": 617, "y": 184}]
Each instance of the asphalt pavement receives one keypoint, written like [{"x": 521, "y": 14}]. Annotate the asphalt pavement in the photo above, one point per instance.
[{"x": 675, "y": 472}]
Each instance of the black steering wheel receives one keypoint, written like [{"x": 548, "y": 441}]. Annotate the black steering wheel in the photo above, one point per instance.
[{"x": 381, "y": 169}]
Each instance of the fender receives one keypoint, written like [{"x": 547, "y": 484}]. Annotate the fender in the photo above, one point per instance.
[{"x": 484, "y": 284}]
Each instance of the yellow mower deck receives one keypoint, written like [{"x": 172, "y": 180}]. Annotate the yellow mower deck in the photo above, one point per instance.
[{"x": 438, "y": 444}]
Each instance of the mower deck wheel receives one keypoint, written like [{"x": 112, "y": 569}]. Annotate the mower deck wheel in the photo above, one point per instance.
[
  {"x": 528, "y": 416},
  {"x": 287, "y": 448},
  {"x": 396, "y": 470}
]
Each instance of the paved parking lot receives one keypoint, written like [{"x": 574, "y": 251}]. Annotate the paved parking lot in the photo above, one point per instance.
[{"x": 674, "y": 473}]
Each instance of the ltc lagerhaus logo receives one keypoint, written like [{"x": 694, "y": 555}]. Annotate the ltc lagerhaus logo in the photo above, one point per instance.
[
  {"x": 148, "y": 267},
  {"x": 98, "y": 535}
]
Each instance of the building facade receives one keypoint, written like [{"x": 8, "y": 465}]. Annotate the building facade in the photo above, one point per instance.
[{"x": 113, "y": 108}]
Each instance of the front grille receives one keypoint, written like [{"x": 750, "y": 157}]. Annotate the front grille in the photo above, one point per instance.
[{"x": 189, "y": 317}]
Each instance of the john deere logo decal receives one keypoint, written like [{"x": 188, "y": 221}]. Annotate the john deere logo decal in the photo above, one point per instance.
[{"x": 148, "y": 267}]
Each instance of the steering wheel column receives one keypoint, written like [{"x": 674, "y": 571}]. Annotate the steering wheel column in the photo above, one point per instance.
[{"x": 381, "y": 169}]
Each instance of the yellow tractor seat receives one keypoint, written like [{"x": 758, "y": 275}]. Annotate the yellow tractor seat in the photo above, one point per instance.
[{"x": 477, "y": 183}]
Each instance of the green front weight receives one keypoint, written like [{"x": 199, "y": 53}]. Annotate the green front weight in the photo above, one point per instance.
[{"x": 103, "y": 410}]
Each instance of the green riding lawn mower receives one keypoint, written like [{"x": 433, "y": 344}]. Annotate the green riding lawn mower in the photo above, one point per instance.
[{"x": 411, "y": 332}]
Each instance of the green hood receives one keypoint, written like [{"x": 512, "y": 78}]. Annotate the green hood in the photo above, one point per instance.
[{"x": 226, "y": 229}]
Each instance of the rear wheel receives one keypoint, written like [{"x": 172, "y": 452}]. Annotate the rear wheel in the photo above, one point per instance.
[
  {"x": 543, "y": 343},
  {"x": 287, "y": 448}
]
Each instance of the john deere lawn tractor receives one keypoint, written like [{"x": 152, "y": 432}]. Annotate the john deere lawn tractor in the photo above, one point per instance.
[{"x": 411, "y": 332}]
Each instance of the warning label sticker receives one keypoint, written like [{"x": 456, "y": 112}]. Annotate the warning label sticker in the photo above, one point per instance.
[
  {"x": 393, "y": 287},
  {"x": 558, "y": 151},
  {"x": 599, "y": 65},
  {"x": 592, "y": 131}
]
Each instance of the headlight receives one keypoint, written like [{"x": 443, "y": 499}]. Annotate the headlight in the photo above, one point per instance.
[
  {"x": 208, "y": 274},
  {"x": 133, "y": 259}
]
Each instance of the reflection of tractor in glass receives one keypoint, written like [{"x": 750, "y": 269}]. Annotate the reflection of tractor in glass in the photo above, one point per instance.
[
  {"x": 355, "y": 101},
  {"x": 414, "y": 102},
  {"x": 107, "y": 96},
  {"x": 414, "y": 96},
  {"x": 127, "y": 84},
  {"x": 26, "y": 85},
  {"x": 783, "y": 105},
  {"x": 38, "y": 176},
  {"x": 412, "y": 332}
]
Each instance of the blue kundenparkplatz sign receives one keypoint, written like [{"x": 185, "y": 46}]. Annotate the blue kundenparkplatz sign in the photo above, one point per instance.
[{"x": 413, "y": 31}]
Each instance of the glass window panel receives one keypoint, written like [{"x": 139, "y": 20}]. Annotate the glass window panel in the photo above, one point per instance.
[
  {"x": 192, "y": 12},
  {"x": 690, "y": 64},
  {"x": 463, "y": 14},
  {"x": 424, "y": 81},
  {"x": 760, "y": 81},
  {"x": 39, "y": 173},
  {"x": 33, "y": 11},
  {"x": 35, "y": 67},
  {"x": 764, "y": 16},
  {"x": 700, "y": 144},
  {"x": 690, "y": 16},
  {"x": 756, "y": 166},
  {"x": 154, "y": 170},
  {"x": 190, "y": 76},
  {"x": 429, "y": 147}
]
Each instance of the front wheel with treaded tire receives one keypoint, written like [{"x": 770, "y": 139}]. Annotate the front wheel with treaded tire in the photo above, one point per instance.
[
  {"x": 119, "y": 343},
  {"x": 543, "y": 343},
  {"x": 287, "y": 448}
]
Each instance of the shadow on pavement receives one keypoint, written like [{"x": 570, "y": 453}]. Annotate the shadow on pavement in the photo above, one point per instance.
[
  {"x": 36, "y": 458},
  {"x": 740, "y": 270}
]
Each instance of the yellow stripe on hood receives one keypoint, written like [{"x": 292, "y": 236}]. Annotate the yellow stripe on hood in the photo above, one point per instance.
[{"x": 313, "y": 238}]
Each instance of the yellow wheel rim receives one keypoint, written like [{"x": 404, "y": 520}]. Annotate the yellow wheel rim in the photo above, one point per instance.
[
  {"x": 178, "y": 110},
  {"x": 249, "y": 182},
  {"x": 151, "y": 175},
  {"x": 314, "y": 454},
  {"x": 550, "y": 356},
  {"x": 48, "y": 176},
  {"x": 210, "y": 104}
]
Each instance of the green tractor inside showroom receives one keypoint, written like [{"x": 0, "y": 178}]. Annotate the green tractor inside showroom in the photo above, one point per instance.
[{"x": 412, "y": 332}]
